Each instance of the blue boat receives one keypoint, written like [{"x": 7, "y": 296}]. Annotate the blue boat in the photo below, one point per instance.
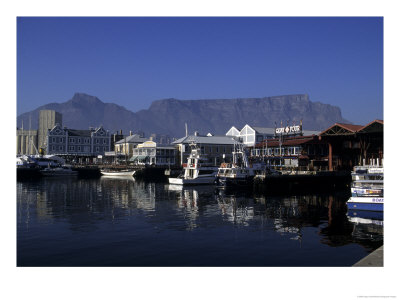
[{"x": 367, "y": 189}]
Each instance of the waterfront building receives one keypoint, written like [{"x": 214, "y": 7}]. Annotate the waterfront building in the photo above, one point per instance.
[
  {"x": 350, "y": 145},
  {"x": 63, "y": 141},
  {"x": 125, "y": 146},
  {"x": 151, "y": 153},
  {"x": 340, "y": 147},
  {"x": 216, "y": 148},
  {"x": 301, "y": 152},
  {"x": 47, "y": 120},
  {"x": 27, "y": 141},
  {"x": 251, "y": 135}
]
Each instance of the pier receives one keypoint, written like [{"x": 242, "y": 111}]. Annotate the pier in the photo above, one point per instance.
[{"x": 374, "y": 259}]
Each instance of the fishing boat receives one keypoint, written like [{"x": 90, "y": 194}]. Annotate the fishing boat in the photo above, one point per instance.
[
  {"x": 240, "y": 172},
  {"x": 196, "y": 171},
  {"x": 367, "y": 189},
  {"x": 115, "y": 172},
  {"x": 59, "y": 171}
]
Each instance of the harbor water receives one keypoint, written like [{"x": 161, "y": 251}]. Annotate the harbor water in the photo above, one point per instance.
[{"x": 125, "y": 222}]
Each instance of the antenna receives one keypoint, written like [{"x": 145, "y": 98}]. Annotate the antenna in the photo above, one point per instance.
[{"x": 186, "y": 128}]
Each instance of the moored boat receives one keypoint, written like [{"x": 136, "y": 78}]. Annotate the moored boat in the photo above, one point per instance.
[
  {"x": 240, "y": 172},
  {"x": 59, "y": 171},
  {"x": 196, "y": 170},
  {"x": 367, "y": 189},
  {"x": 113, "y": 172}
]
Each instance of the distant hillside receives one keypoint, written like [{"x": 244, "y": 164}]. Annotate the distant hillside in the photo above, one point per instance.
[{"x": 170, "y": 115}]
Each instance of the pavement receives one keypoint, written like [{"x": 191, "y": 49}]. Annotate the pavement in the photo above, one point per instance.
[{"x": 374, "y": 259}]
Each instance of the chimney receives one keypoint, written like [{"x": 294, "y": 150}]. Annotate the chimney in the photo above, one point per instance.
[
  {"x": 130, "y": 133},
  {"x": 196, "y": 133},
  {"x": 120, "y": 132}
]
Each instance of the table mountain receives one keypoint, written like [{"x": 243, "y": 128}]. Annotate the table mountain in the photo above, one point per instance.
[{"x": 169, "y": 116}]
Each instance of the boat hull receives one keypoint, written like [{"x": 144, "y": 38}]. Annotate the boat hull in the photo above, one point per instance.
[
  {"x": 365, "y": 203},
  {"x": 235, "y": 182},
  {"x": 195, "y": 181},
  {"x": 121, "y": 173}
]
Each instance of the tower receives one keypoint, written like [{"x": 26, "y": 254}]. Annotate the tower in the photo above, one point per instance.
[{"x": 47, "y": 120}]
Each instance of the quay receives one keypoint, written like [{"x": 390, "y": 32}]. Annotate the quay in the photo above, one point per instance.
[
  {"x": 374, "y": 259},
  {"x": 304, "y": 180}
]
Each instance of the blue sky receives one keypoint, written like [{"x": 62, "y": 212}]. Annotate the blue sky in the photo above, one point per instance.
[{"x": 134, "y": 61}]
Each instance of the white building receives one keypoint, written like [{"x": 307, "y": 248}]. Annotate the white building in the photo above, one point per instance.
[
  {"x": 252, "y": 135},
  {"x": 152, "y": 153}
]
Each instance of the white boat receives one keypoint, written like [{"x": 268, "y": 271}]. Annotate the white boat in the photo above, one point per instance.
[
  {"x": 196, "y": 171},
  {"x": 240, "y": 172},
  {"x": 58, "y": 171},
  {"x": 367, "y": 189},
  {"x": 110, "y": 172}
]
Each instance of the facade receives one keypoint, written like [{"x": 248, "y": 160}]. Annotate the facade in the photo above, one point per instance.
[
  {"x": 251, "y": 135},
  {"x": 47, "y": 120},
  {"x": 64, "y": 141},
  {"x": 340, "y": 147},
  {"x": 303, "y": 152},
  {"x": 351, "y": 145},
  {"x": 27, "y": 142},
  {"x": 125, "y": 146},
  {"x": 216, "y": 148},
  {"x": 155, "y": 154}
]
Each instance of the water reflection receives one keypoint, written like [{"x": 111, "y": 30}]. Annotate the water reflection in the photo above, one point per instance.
[{"x": 132, "y": 209}]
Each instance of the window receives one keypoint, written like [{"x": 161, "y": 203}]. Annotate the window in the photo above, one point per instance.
[
  {"x": 79, "y": 141},
  {"x": 61, "y": 148},
  {"x": 71, "y": 148},
  {"x": 104, "y": 141},
  {"x": 79, "y": 148},
  {"x": 97, "y": 149},
  {"x": 53, "y": 140},
  {"x": 53, "y": 147}
]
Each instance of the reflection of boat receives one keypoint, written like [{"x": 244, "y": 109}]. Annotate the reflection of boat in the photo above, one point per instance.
[
  {"x": 367, "y": 189},
  {"x": 365, "y": 214},
  {"x": 120, "y": 178},
  {"x": 58, "y": 171},
  {"x": 110, "y": 172},
  {"x": 196, "y": 171},
  {"x": 239, "y": 172}
]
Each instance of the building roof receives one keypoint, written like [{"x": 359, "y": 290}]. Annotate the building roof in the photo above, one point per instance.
[
  {"x": 288, "y": 141},
  {"x": 264, "y": 130},
  {"x": 341, "y": 129},
  {"x": 132, "y": 139},
  {"x": 374, "y": 126},
  {"x": 218, "y": 140},
  {"x": 77, "y": 132}
]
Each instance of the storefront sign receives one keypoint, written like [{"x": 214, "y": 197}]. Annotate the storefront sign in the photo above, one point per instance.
[{"x": 288, "y": 129}]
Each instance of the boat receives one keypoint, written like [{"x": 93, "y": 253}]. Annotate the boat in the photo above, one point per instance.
[
  {"x": 59, "y": 171},
  {"x": 196, "y": 171},
  {"x": 366, "y": 189},
  {"x": 115, "y": 172},
  {"x": 240, "y": 172}
]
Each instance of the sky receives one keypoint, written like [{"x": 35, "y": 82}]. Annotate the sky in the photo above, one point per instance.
[{"x": 132, "y": 61}]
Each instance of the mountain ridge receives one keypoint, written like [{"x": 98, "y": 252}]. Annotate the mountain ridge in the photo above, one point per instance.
[{"x": 168, "y": 116}]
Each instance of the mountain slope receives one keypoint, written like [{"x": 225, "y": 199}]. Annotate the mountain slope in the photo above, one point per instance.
[{"x": 169, "y": 116}]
